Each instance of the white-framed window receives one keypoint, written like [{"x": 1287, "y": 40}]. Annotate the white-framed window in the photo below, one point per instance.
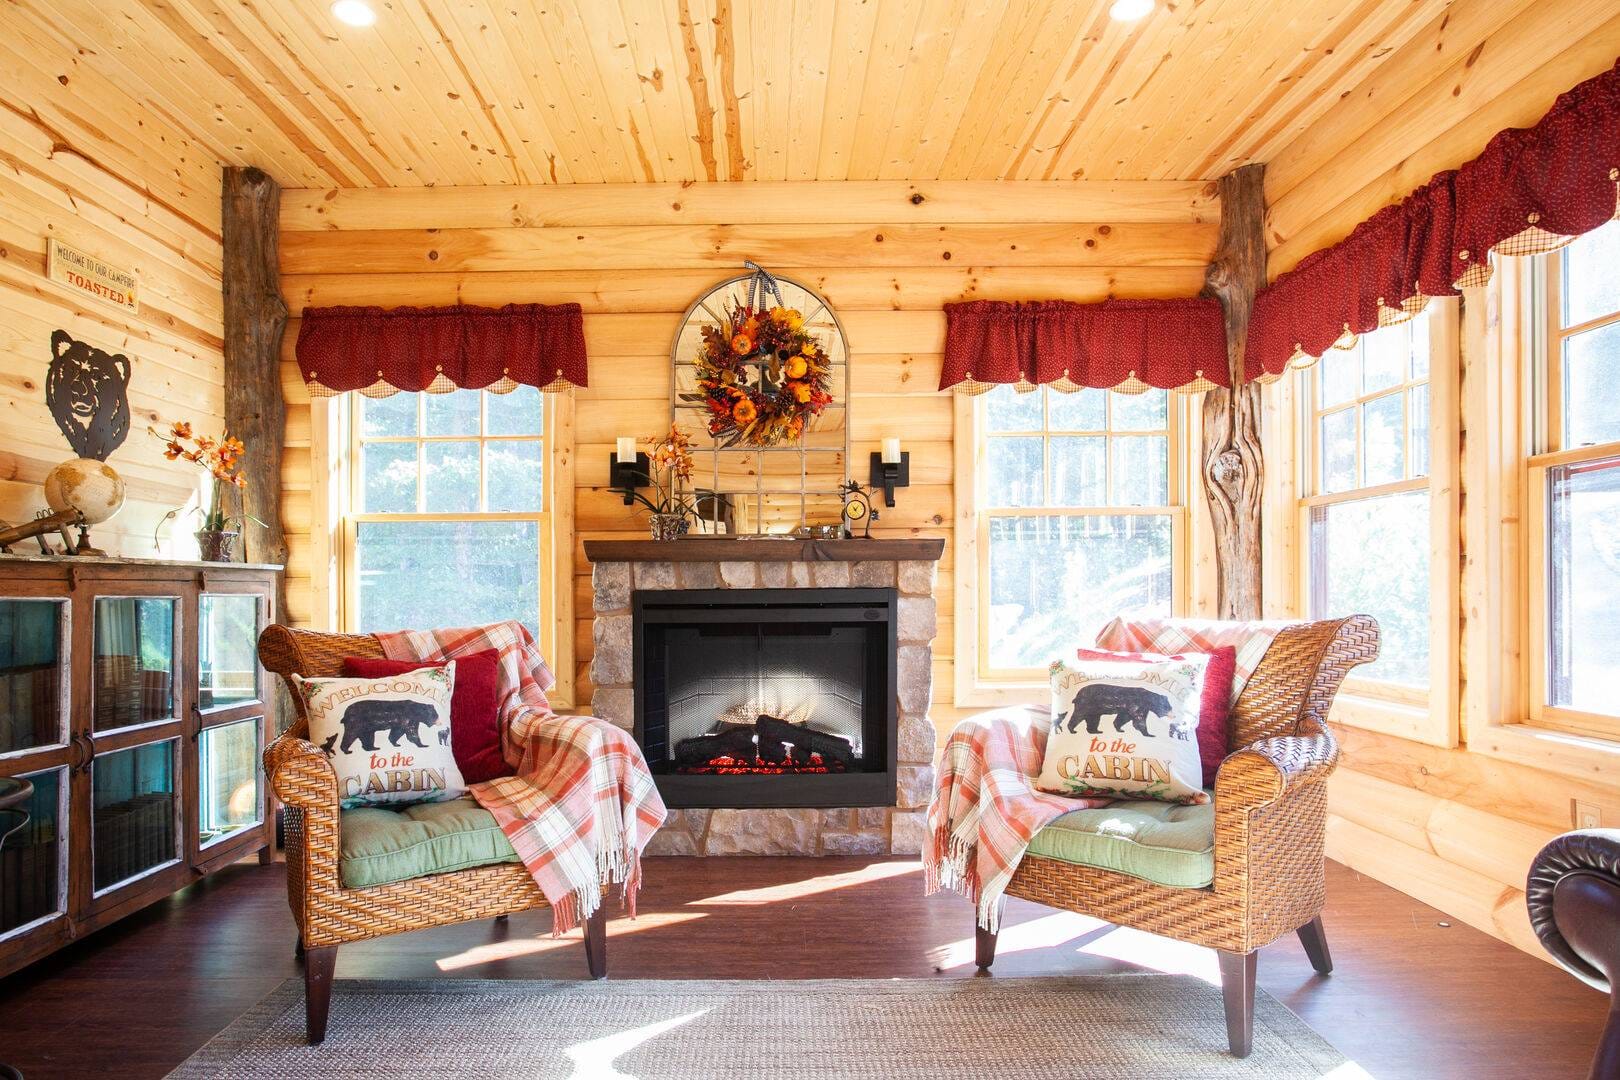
[
  {"x": 1573, "y": 484},
  {"x": 450, "y": 512},
  {"x": 1367, "y": 506},
  {"x": 1076, "y": 514}
]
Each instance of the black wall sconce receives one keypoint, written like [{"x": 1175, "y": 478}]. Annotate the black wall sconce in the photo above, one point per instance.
[
  {"x": 891, "y": 468},
  {"x": 626, "y": 476}
]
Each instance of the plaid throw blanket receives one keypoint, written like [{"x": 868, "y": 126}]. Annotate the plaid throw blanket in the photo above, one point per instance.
[
  {"x": 582, "y": 805},
  {"x": 985, "y": 808}
]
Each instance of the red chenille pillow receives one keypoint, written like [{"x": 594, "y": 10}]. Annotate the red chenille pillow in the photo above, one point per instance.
[
  {"x": 1213, "y": 710},
  {"x": 475, "y": 728}
]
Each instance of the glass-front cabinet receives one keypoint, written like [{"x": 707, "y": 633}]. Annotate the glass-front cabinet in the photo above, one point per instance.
[{"x": 132, "y": 700}]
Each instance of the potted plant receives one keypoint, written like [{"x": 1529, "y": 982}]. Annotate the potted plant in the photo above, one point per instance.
[
  {"x": 221, "y": 457},
  {"x": 669, "y": 458}
]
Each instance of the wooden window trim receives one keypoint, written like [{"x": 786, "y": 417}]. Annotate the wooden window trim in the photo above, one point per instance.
[
  {"x": 335, "y": 441},
  {"x": 973, "y": 688},
  {"x": 1424, "y": 714}
]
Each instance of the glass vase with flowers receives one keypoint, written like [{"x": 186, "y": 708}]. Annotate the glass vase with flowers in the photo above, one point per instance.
[
  {"x": 669, "y": 469},
  {"x": 223, "y": 520}
]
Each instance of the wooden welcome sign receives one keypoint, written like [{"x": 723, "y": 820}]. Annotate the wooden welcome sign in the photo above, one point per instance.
[{"x": 87, "y": 274}]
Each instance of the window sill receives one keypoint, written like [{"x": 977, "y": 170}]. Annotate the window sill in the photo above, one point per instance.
[
  {"x": 1403, "y": 720},
  {"x": 996, "y": 695},
  {"x": 1552, "y": 751}
]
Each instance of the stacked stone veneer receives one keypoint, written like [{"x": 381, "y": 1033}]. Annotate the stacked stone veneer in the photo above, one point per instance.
[{"x": 870, "y": 830}]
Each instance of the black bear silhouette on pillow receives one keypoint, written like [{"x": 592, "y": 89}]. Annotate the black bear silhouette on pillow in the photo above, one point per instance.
[
  {"x": 365, "y": 720},
  {"x": 1126, "y": 704},
  {"x": 87, "y": 391}
]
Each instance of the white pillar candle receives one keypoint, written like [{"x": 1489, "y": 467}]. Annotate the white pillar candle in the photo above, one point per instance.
[
  {"x": 626, "y": 454},
  {"x": 891, "y": 451}
]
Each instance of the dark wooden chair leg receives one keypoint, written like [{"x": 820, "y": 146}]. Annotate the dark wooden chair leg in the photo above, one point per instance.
[
  {"x": 984, "y": 947},
  {"x": 500, "y": 918},
  {"x": 1237, "y": 987},
  {"x": 318, "y": 966},
  {"x": 1314, "y": 938},
  {"x": 596, "y": 943}
]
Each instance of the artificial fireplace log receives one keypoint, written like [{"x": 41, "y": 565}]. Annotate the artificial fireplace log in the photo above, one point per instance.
[
  {"x": 738, "y": 743},
  {"x": 806, "y": 740}
]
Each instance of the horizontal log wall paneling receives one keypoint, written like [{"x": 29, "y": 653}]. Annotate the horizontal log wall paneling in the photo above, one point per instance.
[
  {"x": 1453, "y": 828},
  {"x": 887, "y": 255},
  {"x": 86, "y": 165}
]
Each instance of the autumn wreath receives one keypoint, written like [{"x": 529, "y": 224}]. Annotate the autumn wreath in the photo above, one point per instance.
[{"x": 762, "y": 376}]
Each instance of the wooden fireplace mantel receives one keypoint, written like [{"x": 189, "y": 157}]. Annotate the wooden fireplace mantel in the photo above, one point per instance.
[{"x": 765, "y": 549}]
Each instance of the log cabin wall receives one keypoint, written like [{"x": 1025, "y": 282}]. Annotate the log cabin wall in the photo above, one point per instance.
[
  {"x": 85, "y": 162},
  {"x": 886, "y": 255},
  {"x": 1453, "y": 827}
]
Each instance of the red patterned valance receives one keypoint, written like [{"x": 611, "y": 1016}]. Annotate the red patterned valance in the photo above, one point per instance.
[
  {"x": 1533, "y": 190},
  {"x": 1123, "y": 345},
  {"x": 380, "y": 352}
]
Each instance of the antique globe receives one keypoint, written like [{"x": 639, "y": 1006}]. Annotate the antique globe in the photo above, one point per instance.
[{"x": 84, "y": 484}]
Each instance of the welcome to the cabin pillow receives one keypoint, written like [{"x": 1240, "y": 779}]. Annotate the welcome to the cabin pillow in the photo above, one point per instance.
[
  {"x": 1125, "y": 729},
  {"x": 388, "y": 738}
]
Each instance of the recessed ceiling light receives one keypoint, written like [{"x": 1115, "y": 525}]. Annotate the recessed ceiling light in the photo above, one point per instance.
[
  {"x": 1130, "y": 10},
  {"x": 359, "y": 13}
]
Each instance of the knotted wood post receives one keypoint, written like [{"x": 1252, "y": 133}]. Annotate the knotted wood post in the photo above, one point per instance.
[
  {"x": 1231, "y": 419},
  {"x": 255, "y": 317}
]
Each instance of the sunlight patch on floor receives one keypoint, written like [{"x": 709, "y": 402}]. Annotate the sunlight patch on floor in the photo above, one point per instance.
[
  {"x": 594, "y": 1060},
  {"x": 794, "y": 890},
  {"x": 1348, "y": 1071},
  {"x": 494, "y": 951},
  {"x": 1045, "y": 932},
  {"x": 1160, "y": 954}
]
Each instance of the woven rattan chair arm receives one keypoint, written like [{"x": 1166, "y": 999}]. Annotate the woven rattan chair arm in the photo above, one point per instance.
[
  {"x": 300, "y": 774},
  {"x": 1265, "y": 771}
]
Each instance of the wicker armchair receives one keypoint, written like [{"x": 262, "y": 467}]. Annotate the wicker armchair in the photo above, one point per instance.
[
  {"x": 1270, "y": 811},
  {"x": 329, "y": 915}
]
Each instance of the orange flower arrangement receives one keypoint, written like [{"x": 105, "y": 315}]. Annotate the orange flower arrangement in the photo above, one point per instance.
[
  {"x": 221, "y": 457},
  {"x": 762, "y": 376}
]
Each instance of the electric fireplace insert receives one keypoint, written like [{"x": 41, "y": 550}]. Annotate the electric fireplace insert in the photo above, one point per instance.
[{"x": 767, "y": 697}]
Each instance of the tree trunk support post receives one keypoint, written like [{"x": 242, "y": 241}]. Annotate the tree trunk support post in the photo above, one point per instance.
[
  {"x": 1232, "y": 462},
  {"x": 255, "y": 318}
]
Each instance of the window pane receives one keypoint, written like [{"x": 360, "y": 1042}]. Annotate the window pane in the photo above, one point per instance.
[
  {"x": 1338, "y": 377},
  {"x": 1008, "y": 410},
  {"x": 427, "y": 574},
  {"x": 387, "y": 416},
  {"x": 388, "y": 478},
  {"x": 227, "y": 780},
  {"x": 1140, "y": 412},
  {"x": 1141, "y": 471},
  {"x": 1338, "y": 441},
  {"x": 1417, "y": 409},
  {"x": 1592, "y": 275},
  {"x": 1584, "y": 586},
  {"x": 1054, "y": 581},
  {"x": 1371, "y": 556},
  {"x": 1083, "y": 410},
  {"x": 227, "y": 641},
  {"x": 1384, "y": 357},
  {"x": 132, "y": 825},
  {"x": 1592, "y": 386},
  {"x": 450, "y": 478},
  {"x": 514, "y": 475},
  {"x": 1383, "y": 426},
  {"x": 134, "y": 668},
  {"x": 455, "y": 413},
  {"x": 31, "y": 674},
  {"x": 1419, "y": 329},
  {"x": 31, "y": 862},
  {"x": 517, "y": 413},
  {"x": 1014, "y": 477},
  {"x": 1079, "y": 471}
]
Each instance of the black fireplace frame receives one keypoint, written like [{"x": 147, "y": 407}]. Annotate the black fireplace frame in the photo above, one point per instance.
[{"x": 869, "y": 787}]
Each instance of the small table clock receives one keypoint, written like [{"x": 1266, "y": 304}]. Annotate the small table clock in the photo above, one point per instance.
[{"x": 858, "y": 510}]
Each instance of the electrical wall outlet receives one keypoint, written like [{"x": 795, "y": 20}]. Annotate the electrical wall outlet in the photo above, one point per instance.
[{"x": 1585, "y": 815}]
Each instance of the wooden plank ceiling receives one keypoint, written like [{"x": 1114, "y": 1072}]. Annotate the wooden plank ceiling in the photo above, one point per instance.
[{"x": 472, "y": 92}]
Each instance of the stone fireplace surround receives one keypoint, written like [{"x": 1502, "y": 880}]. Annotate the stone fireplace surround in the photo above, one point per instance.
[{"x": 621, "y": 567}]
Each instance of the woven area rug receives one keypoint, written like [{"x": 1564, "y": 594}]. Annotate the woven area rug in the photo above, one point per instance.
[{"x": 1124, "y": 1026}]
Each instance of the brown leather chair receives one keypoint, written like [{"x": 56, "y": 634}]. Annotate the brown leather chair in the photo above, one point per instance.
[{"x": 1574, "y": 898}]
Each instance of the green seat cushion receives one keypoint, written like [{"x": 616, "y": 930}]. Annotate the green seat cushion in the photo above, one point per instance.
[
  {"x": 1160, "y": 842},
  {"x": 380, "y": 846}
]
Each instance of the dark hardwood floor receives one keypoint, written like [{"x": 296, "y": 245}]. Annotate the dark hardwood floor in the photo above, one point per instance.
[{"x": 1411, "y": 997}]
